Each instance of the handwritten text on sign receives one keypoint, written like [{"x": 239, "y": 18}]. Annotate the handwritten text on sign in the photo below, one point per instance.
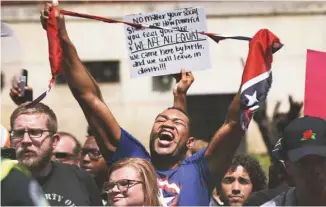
[{"x": 154, "y": 52}]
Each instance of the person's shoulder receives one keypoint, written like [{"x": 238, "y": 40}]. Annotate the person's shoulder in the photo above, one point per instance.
[
  {"x": 17, "y": 176},
  {"x": 63, "y": 166},
  {"x": 195, "y": 157},
  {"x": 68, "y": 167},
  {"x": 260, "y": 197},
  {"x": 276, "y": 201},
  {"x": 73, "y": 169}
]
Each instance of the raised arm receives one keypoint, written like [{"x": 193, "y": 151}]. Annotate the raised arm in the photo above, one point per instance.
[
  {"x": 256, "y": 80},
  {"x": 85, "y": 89},
  {"x": 225, "y": 142},
  {"x": 183, "y": 82}
]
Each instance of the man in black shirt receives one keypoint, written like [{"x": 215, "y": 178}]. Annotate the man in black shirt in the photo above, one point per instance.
[{"x": 34, "y": 136}]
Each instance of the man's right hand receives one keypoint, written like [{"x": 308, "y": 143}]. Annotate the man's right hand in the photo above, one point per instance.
[
  {"x": 60, "y": 18},
  {"x": 183, "y": 82}
]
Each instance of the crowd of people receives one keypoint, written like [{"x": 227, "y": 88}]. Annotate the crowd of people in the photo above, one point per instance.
[{"x": 51, "y": 167}]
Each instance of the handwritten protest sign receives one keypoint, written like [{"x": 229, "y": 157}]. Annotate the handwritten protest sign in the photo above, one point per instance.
[{"x": 154, "y": 52}]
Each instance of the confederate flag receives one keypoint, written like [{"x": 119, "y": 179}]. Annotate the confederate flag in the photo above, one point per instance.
[{"x": 257, "y": 75}]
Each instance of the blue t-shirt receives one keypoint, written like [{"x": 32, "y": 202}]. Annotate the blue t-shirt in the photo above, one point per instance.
[{"x": 187, "y": 185}]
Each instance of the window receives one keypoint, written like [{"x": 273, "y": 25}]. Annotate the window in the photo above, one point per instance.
[
  {"x": 207, "y": 113},
  {"x": 162, "y": 83},
  {"x": 102, "y": 72}
]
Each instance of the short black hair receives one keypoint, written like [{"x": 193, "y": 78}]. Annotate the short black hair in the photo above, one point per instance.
[
  {"x": 178, "y": 109},
  {"x": 255, "y": 171},
  {"x": 77, "y": 148}
]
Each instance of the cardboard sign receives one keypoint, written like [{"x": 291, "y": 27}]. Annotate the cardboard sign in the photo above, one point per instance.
[
  {"x": 154, "y": 52},
  {"x": 315, "y": 88}
]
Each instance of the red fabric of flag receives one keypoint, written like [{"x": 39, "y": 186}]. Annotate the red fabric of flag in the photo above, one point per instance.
[
  {"x": 55, "y": 53},
  {"x": 55, "y": 50}
]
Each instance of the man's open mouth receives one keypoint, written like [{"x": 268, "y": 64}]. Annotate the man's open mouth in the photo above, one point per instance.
[{"x": 165, "y": 137}]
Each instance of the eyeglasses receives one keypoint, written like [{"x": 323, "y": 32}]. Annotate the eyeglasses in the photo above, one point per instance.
[
  {"x": 92, "y": 153},
  {"x": 123, "y": 185},
  {"x": 62, "y": 155},
  {"x": 32, "y": 133}
]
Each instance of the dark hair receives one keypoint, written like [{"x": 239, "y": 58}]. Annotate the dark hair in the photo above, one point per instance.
[
  {"x": 251, "y": 165},
  {"x": 177, "y": 108},
  {"x": 38, "y": 108},
  {"x": 77, "y": 147}
]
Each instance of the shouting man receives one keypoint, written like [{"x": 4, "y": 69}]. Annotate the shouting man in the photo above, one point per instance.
[{"x": 183, "y": 180}]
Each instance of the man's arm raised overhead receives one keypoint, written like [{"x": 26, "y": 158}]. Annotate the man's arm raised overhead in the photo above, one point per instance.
[
  {"x": 183, "y": 82},
  {"x": 225, "y": 142},
  {"x": 256, "y": 82},
  {"x": 85, "y": 89}
]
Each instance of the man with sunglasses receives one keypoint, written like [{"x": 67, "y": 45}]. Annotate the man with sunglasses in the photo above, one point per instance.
[
  {"x": 90, "y": 154},
  {"x": 93, "y": 162},
  {"x": 34, "y": 136},
  {"x": 68, "y": 149}
]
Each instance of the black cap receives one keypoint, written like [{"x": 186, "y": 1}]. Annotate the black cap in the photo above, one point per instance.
[{"x": 304, "y": 136}]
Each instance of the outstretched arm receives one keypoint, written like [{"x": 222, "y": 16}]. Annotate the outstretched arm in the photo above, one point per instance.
[
  {"x": 225, "y": 142},
  {"x": 85, "y": 89}
]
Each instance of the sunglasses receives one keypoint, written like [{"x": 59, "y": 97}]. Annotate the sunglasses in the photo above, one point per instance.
[
  {"x": 63, "y": 155},
  {"x": 93, "y": 154}
]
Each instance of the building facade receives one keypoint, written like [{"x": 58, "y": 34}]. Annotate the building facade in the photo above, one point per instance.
[{"x": 136, "y": 102}]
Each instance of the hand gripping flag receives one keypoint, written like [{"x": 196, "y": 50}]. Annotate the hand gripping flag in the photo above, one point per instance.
[{"x": 257, "y": 75}]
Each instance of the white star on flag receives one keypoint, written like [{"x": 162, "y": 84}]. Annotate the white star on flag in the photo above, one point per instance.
[{"x": 252, "y": 99}]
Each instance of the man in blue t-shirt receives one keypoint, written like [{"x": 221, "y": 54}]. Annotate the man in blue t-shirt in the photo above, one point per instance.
[{"x": 183, "y": 179}]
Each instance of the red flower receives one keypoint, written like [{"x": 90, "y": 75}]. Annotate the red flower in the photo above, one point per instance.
[{"x": 308, "y": 134}]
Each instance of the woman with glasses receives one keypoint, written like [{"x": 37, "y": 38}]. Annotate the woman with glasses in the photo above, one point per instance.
[{"x": 132, "y": 182}]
